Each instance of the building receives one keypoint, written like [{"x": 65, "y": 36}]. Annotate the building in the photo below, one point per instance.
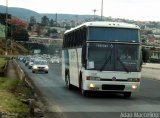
[{"x": 155, "y": 55}]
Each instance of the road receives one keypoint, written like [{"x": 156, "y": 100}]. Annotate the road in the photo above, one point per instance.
[
  {"x": 151, "y": 73},
  {"x": 68, "y": 102}
]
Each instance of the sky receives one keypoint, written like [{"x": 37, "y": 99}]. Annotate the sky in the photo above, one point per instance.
[{"x": 142, "y": 10}]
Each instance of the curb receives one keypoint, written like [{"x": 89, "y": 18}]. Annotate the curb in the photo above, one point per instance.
[
  {"x": 22, "y": 75},
  {"x": 151, "y": 65},
  {"x": 37, "y": 94},
  {"x": 151, "y": 68}
]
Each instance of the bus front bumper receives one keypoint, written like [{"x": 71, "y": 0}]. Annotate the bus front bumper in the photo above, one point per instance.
[{"x": 111, "y": 86}]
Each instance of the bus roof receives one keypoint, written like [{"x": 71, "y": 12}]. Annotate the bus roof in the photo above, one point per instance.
[{"x": 105, "y": 24}]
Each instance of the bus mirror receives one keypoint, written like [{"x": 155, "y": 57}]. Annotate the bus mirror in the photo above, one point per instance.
[
  {"x": 145, "y": 55},
  {"x": 84, "y": 62}
]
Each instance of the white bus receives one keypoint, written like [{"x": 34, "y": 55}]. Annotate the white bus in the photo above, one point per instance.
[{"x": 102, "y": 56}]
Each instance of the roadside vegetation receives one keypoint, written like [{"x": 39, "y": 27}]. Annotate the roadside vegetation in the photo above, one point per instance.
[
  {"x": 13, "y": 96},
  {"x": 15, "y": 49},
  {"x": 2, "y": 62}
]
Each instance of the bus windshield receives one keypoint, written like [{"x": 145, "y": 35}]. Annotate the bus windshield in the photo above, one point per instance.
[
  {"x": 113, "y": 34},
  {"x": 114, "y": 57}
]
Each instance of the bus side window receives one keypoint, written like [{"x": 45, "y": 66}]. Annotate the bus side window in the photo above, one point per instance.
[
  {"x": 76, "y": 39},
  {"x": 84, "y": 56},
  {"x": 79, "y": 37},
  {"x": 84, "y": 36},
  {"x": 69, "y": 41},
  {"x": 72, "y": 40},
  {"x": 66, "y": 42}
]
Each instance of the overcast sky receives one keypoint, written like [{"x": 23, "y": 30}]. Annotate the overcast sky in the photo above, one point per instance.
[{"x": 144, "y": 10}]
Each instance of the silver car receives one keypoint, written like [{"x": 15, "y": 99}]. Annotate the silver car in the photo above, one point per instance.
[
  {"x": 54, "y": 60},
  {"x": 40, "y": 66},
  {"x": 30, "y": 64}
]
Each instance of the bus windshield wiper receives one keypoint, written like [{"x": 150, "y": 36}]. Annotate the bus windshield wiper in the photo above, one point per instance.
[
  {"x": 125, "y": 68},
  {"x": 106, "y": 62}
]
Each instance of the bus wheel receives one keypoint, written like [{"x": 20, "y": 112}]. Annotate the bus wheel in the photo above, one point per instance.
[
  {"x": 67, "y": 80},
  {"x": 83, "y": 92},
  {"x": 127, "y": 94}
]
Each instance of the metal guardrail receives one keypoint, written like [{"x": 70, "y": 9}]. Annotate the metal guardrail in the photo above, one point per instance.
[{"x": 22, "y": 75}]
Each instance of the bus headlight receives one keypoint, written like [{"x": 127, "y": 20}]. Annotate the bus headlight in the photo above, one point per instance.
[
  {"x": 92, "y": 85},
  {"x": 93, "y": 78},
  {"x": 134, "y": 79}
]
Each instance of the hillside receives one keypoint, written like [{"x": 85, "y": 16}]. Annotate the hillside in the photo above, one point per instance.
[
  {"x": 15, "y": 50},
  {"x": 68, "y": 16},
  {"x": 25, "y": 14},
  {"x": 20, "y": 12}
]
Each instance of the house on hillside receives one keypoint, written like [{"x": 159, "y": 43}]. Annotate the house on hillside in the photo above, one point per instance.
[
  {"x": 157, "y": 39},
  {"x": 150, "y": 39},
  {"x": 155, "y": 55}
]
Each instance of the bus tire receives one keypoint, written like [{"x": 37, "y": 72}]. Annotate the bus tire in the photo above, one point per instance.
[
  {"x": 67, "y": 80},
  {"x": 127, "y": 94},
  {"x": 83, "y": 92}
]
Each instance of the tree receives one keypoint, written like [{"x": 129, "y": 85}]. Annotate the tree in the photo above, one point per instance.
[
  {"x": 145, "y": 54},
  {"x": 5, "y": 22},
  {"x": 32, "y": 23},
  {"x": 143, "y": 39},
  {"x": 51, "y": 23},
  {"x": 3, "y": 18},
  {"x": 53, "y": 31},
  {"x": 20, "y": 34},
  {"x": 45, "y": 21},
  {"x": 149, "y": 32},
  {"x": 18, "y": 28},
  {"x": 18, "y": 23},
  {"x": 32, "y": 20}
]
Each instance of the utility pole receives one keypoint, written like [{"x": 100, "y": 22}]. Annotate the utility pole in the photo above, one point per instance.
[
  {"x": 6, "y": 28},
  {"x": 56, "y": 19},
  {"x": 102, "y": 11},
  {"x": 94, "y": 10},
  {"x": 76, "y": 20},
  {"x": 12, "y": 42}
]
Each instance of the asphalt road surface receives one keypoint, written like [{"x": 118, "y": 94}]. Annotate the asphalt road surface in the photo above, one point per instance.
[{"x": 72, "y": 104}]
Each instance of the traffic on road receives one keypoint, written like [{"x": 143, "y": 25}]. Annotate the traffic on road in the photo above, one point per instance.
[
  {"x": 71, "y": 103},
  {"x": 98, "y": 74}
]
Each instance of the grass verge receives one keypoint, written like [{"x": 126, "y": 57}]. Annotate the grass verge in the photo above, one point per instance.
[
  {"x": 2, "y": 62},
  {"x": 12, "y": 92}
]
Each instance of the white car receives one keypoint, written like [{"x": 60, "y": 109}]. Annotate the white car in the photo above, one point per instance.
[
  {"x": 30, "y": 64},
  {"x": 40, "y": 66},
  {"x": 54, "y": 60}
]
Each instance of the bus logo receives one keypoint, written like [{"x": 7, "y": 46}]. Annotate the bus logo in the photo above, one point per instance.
[
  {"x": 111, "y": 46},
  {"x": 114, "y": 79}
]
